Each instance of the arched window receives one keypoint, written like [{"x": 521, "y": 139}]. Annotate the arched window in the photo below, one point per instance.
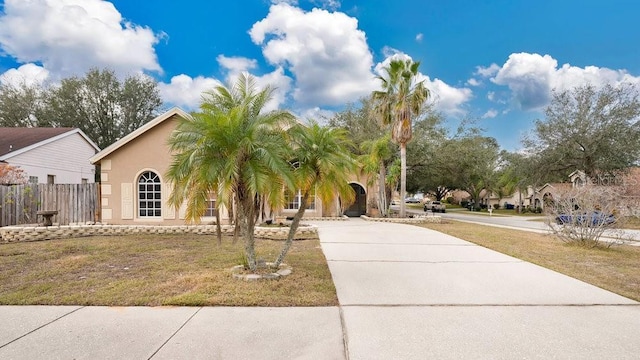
[{"x": 149, "y": 195}]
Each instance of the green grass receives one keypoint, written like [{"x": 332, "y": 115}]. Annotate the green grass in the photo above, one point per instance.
[
  {"x": 155, "y": 270},
  {"x": 616, "y": 269}
]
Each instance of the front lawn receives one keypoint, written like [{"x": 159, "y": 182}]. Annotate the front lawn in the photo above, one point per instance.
[
  {"x": 157, "y": 270},
  {"x": 616, "y": 269}
]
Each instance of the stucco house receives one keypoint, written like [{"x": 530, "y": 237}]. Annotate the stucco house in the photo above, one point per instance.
[
  {"x": 49, "y": 155},
  {"x": 134, "y": 189}
]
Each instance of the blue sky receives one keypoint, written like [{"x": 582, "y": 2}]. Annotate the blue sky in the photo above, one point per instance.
[{"x": 492, "y": 61}]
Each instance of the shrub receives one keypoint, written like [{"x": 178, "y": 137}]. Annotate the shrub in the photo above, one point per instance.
[
  {"x": 496, "y": 206},
  {"x": 581, "y": 216}
]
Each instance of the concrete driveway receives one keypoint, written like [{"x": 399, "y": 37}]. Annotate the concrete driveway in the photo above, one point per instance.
[{"x": 412, "y": 293}]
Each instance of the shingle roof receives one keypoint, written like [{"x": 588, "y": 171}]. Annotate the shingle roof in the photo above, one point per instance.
[{"x": 15, "y": 138}]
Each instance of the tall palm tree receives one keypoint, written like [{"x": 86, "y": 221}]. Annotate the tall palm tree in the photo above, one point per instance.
[
  {"x": 323, "y": 165},
  {"x": 401, "y": 98},
  {"x": 234, "y": 149}
]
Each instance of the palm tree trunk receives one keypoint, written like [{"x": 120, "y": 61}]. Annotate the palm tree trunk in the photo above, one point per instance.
[
  {"x": 403, "y": 178},
  {"x": 218, "y": 226},
  {"x": 247, "y": 225},
  {"x": 382, "y": 198},
  {"x": 292, "y": 229}
]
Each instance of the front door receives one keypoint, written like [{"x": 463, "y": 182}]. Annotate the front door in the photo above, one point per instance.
[{"x": 359, "y": 207}]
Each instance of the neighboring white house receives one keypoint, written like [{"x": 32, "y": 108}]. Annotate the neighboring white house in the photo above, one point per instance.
[{"x": 49, "y": 155}]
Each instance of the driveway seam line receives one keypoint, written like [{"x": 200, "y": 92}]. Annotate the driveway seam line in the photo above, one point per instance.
[
  {"x": 41, "y": 326},
  {"x": 393, "y": 244},
  {"x": 427, "y": 262},
  {"x": 174, "y": 334},
  {"x": 345, "y": 335},
  {"x": 492, "y": 305}
]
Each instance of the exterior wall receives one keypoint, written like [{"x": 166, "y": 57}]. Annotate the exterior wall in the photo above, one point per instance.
[
  {"x": 149, "y": 152},
  {"x": 66, "y": 158},
  {"x": 121, "y": 170},
  {"x": 332, "y": 209}
]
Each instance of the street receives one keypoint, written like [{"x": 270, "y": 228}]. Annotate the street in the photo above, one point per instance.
[{"x": 527, "y": 223}]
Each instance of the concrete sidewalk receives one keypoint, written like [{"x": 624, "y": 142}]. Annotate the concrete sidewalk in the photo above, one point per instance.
[
  {"x": 405, "y": 293},
  {"x": 67, "y": 332}
]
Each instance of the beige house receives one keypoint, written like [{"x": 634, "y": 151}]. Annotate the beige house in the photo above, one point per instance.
[{"x": 134, "y": 189}]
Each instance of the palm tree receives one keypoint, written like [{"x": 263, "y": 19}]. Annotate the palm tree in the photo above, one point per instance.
[
  {"x": 401, "y": 98},
  {"x": 376, "y": 153},
  {"x": 235, "y": 150},
  {"x": 322, "y": 165}
]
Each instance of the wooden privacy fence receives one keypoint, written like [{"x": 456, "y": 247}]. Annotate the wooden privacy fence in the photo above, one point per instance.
[{"x": 75, "y": 203}]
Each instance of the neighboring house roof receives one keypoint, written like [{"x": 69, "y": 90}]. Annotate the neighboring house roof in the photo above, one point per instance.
[
  {"x": 17, "y": 140},
  {"x": 556, "y": 186},
  {"x": 139, "y": 131}
]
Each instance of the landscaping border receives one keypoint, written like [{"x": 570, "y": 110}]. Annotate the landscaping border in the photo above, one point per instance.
[{"x": 38, "y": 233}]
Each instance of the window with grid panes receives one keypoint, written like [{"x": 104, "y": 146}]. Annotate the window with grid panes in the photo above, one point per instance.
[
  {"x": 293, "y": 200},
  {"x": 211, "y": 209},
  {"x": 149, "y": 195}
]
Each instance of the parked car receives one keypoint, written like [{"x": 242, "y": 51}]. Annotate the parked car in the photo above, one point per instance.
[
  {"x": 595, "y": 218},
  {"x": 411, "y": 201},
  {"x": 435, "y": 206}
]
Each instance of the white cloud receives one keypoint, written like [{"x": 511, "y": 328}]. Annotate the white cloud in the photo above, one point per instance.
[
  {"x": 487, "y": 71},
  {"x": 185, "y": 91},
  {"x": 447, "y": 98},
  {"x": 325, "y": 51},
  {"x": 282, "y": 85},
  {"x": 491, "y": 113},
  {"x": 317, "y": 114},
  {"x": 328, "y": 4},
  {"x": 474, "y": 82},
  {"x": 70, "y": 36},
  {"x": 236, "y": 64},
  {"x": 531, "y": 77},
  {"x": 419, "y": 37},
  {"x": 28, "y": 74}
]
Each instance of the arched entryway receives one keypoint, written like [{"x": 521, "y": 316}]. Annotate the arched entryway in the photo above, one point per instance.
[
  {"x": 359, "y": 207},
  {"x": 548, "y": 200}
]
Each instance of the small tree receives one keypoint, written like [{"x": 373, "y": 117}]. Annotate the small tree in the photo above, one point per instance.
[
  {"x": 234, "y": 149},
  {"x": 583, "y": 215},
  {"x": 323, "y": 166},
  {"x": 377, "y": 152},
  {"x": 11, "y": 175}
]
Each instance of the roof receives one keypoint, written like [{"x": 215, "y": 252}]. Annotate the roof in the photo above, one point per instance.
[
  {"x": 557, "y": 186},
  {"x": 139, "y": 131},
  {"x": 17, "y": 140}
]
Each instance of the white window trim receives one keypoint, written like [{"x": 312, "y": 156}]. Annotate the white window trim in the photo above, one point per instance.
[
  {"x": 139, "y": 209},
  {"x": 298, "y": 197}
]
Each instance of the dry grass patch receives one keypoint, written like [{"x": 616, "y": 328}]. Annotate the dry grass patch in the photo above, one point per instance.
[
  {"x": 157, "y": 270},
  {"x": 616, "y": 269}
]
